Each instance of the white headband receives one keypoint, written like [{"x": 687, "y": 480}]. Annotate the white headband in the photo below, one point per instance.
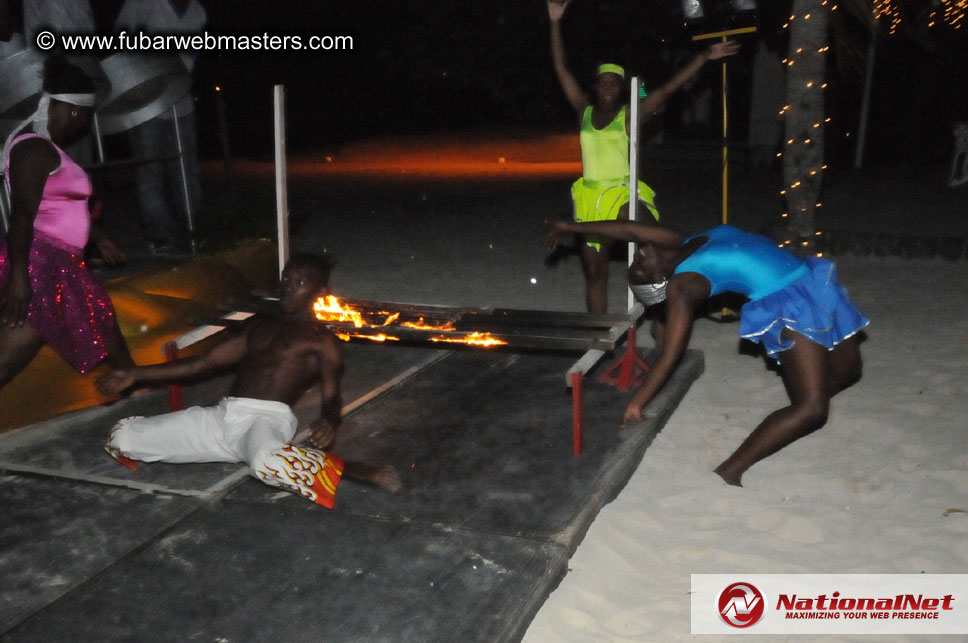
[
  {"x": 40, "y": 117},
  {"x": 81, "y": 100},
  {"x": 650, "y": 294}
]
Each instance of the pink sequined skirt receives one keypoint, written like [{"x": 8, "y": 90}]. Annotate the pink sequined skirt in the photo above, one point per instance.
[{"x": 70, "y": 309}]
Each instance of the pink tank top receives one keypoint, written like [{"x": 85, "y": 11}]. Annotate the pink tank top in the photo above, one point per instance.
[{"x": 63, "y": 214}]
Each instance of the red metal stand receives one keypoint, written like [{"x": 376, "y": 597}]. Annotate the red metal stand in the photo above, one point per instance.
[
  {"x": 622, "y": 373},
  {"x": 577, "y": 412},
  {"x": 627, "y": 369},
  {"x": 174, "y": 390}
]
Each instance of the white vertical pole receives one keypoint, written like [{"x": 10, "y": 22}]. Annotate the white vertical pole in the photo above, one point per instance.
[
  {"x": 184, "y": 177},
  {"x": 865, "y": 102},
  {"x": 96, "y": 126},
  {"x": 282, "y": 194},
  {"x": 633, "y": 168}
]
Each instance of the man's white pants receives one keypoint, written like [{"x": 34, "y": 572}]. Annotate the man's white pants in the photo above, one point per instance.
[{"x": 256, "y": 432}]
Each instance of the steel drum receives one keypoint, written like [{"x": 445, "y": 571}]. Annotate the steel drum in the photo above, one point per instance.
[
  {"x": 21, "y": 82},
  {"x": 142, "y": 87}
]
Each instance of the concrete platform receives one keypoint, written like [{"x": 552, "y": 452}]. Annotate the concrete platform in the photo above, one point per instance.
[{"x": 492, "y": 507}]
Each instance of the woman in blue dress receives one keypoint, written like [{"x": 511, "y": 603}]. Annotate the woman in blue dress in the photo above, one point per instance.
[{"x": 796, "y": 310}]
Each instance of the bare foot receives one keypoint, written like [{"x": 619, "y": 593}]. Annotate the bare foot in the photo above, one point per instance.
[
  {"x": 386, "y": 477},
  {"x": 730, "y": 478}
]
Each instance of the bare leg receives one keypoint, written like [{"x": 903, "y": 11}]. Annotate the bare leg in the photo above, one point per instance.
[
  {"x": 806, "y": 373},
  {"x": 383, "y": 476},
  {"x": 17, "y": 347},
  {"x": 845, "y": 365},
  {"x": 594, "y": 264}
]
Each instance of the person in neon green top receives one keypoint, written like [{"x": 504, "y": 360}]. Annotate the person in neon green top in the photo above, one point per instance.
[{"x": 602, "y": 192}]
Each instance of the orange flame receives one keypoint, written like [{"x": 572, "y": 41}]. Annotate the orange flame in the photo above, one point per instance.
[
  {"x": 420, "y": 324},
  {"x": 473, "y": 339},
  {"x": 381, "y": 337},
  {"x": 330, "y": 309},
  {"x": 391, "y": 317}
]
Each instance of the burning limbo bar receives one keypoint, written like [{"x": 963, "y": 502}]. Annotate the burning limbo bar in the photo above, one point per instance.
[{"x": 479, "y": 327}]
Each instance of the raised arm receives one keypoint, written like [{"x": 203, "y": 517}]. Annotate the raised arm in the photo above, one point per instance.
[
  {"x": 31, "y": 162},
  {"x": 651, "y": 103},
  {"x": 324, "y": 429},
  {"x": 226, "y": 353},
  {"x": 569, "y": 84},
  {"x": 617, "y": 230}
]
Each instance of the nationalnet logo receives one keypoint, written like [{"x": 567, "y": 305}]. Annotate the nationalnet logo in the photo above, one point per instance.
[
  {"x": 741, "y": 605},
  {"x": 830, "y": 604}
]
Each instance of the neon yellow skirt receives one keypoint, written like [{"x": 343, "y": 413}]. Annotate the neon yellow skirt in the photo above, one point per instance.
[{"x": 604, "y": 203}]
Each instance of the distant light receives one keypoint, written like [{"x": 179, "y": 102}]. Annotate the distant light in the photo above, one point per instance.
[
  {"x": 218, "y": 88},
  {"x": 692, "y": 9},
  {"x": 533, "y": 280},
  {"x": 743, "y": 5}
]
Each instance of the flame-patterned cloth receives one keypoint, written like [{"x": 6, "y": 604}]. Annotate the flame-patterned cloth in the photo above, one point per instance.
[{"x": 311, "y": 473}]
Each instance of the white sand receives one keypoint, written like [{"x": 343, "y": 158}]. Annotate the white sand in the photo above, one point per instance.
[{"x": 868, "y": 493}]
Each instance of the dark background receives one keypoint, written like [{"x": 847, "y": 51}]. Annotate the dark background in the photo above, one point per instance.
[{"x": 423, "y": 66}]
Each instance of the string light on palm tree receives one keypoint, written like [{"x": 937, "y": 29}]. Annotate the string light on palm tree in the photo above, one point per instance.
[{"x": 804, "y": 142}]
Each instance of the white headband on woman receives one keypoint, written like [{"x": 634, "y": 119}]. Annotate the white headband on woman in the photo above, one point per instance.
[
  {"x": 650, "y": 294},
  {"x": 81, "y": 100},
  {"x": 41, "y": 115}
]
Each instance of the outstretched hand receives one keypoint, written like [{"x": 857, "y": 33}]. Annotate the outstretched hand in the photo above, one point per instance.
[
  {"x": 633, "y": 413},
  {"x": 723, "y": 49},
  {"x": 15, "y": 301},
  {"x": 115, "y": 382},
  {"x": 110, "y": 251},
  {"x": 556, "y": 9},
  {"x": 322, "y": 436},
  {"x": 557, "y": 231}
]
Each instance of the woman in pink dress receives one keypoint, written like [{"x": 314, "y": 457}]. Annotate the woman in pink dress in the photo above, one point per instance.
[{"x": 47, "y": 294}]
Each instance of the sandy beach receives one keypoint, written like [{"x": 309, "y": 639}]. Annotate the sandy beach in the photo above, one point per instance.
[{"x": 882, "y": 488}]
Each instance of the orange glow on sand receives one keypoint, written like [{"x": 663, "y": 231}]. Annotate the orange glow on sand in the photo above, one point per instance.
[{"x": 464, "y": 156}]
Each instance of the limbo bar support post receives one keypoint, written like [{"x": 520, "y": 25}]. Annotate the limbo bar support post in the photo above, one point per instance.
[
  {"x": 633, "y": 170},
  {"x": 282, "y": 193}
]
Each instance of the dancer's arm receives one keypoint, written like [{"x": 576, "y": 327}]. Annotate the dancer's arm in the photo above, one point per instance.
[
  {"x": 324, "y": 429},
  {"x": 569, "y": 84},
  {"x": 682, "y": 294},
  {"x": 617, "y": 230},
  {"x": 226, "y": 353},
  {"x": 651, "y": 103},
  {"x": 31, "y": 162}
]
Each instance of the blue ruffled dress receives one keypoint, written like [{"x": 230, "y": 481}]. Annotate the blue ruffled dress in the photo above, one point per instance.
[{"x": 784, "y": 291}]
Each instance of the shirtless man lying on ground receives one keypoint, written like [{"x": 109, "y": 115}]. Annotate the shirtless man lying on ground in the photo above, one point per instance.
[{"x": 278, "y": 359}]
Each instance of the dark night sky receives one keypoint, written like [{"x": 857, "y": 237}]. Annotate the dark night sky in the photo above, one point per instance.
[
  {"x": 441, "y": 65},
  {"x": 427, "y": 65}
]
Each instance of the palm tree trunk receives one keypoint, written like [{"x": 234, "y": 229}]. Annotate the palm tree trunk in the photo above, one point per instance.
[{"x": 803, "y": 151}]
